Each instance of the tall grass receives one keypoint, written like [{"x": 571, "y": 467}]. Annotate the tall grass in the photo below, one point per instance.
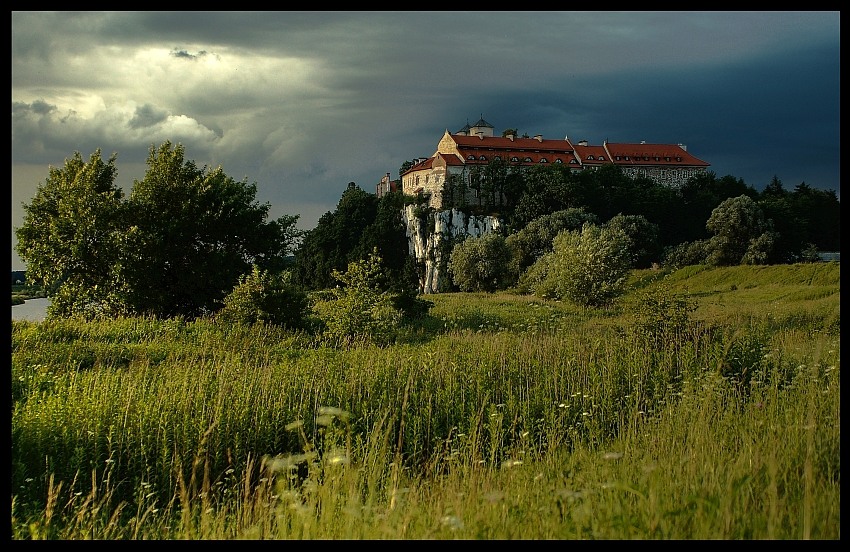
[{"x": 499, "y": 417}]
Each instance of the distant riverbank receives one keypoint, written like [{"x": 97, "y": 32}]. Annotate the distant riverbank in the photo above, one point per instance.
[{"x": 34, "y": 310}]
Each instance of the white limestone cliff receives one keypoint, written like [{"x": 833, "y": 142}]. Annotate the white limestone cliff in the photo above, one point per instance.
[{"x": 429, "y": 237}]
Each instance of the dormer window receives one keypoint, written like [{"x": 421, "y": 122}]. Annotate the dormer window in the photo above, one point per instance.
[
  {"x": 527, "y": 159},
  {"x": 617, "y": 158},
  {"x": 558, "y": 160},
  {"x": 470, "y": 158},
  {"x": 601, "y": 158},
  {"x": 667, "y": 159},
  {"x": 497, "y": 158},
  {"x": 590, "y": 158},
  {"x": 627, "y": 158},
  {"x": 573, "y": 161},
  {"x": 514, "y": 158},
  {"x": 678, "y": 159},
  {"x": 482, "y": 158},
  {"x": 543, "y": 160},
  {"x": 657, "y": 158}
]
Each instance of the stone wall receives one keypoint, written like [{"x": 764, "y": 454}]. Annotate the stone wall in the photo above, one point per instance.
[{"x": 430, "y": 235}]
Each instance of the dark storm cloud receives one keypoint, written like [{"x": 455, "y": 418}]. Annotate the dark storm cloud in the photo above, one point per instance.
[
  {"x": 146, "y": 116},
  {"x": 304, "y": 102}
]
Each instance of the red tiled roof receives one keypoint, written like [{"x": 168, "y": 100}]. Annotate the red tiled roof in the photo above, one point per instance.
[
  {"x": 478, "y": 150},
  {"x": 653, "y": 154},
  {"x": 515, "y": 144}
]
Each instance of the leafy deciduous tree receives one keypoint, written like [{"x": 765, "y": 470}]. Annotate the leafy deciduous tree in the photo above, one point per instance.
[
  {"x": 588, "y": 267},
  {"x": 480, "y": 263},
  {"x": 71, "y": 237},
  {"x": 741, "y": 234},
  {"x": 193, "y": 232}
]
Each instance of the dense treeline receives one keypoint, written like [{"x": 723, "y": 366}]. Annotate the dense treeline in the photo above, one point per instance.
[
  {"x": 672, "y": 225},
  {"x": 190, "y": 241},
  {"x": 803, "y": 216}
]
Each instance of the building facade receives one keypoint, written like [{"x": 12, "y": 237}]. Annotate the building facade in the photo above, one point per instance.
[{"x": 476, "y": 146}]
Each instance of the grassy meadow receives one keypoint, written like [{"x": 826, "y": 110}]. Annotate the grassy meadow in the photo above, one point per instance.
[{"x": 705, "y": 404}]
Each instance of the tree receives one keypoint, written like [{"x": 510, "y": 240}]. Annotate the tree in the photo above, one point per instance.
[
  {"x": 642, "y": 235},
  {"x": 261, "y": 296},
  {"x": 741, "y": 234},
  {"x": 480, "y": 263},
  {"x": 176, "y": 247},
  {"x": 588, "y": 267},
  {"x": 72, "y": 235},
  {"x": 360, "y": 309},
  {"x": 193, "y": 232},
  {"x": 335, "y": 241},
  {"x": 535, "y": 240},
  {"x": 546, "y": 189}
]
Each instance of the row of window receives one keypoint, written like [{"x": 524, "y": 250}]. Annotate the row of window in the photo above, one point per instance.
[
  {"x": 646, "y": 158},
  {"x": 515, "y": 159}
]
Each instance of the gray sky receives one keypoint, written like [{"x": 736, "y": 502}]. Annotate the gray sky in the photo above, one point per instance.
[{"x": 302, "y": 103}]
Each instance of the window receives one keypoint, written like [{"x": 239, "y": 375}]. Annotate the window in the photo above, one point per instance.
[
  {"x": 627, "y": 158},
  {"x": 572, "y": 161},
  {"x": 558, "y": 160},
  {"x": 470, "y": 158},
  {"x": 543, "y": 160},
  {"x": 590, "y": 158},
  {"x": 657, "y": 158},
  {"x": 514, "y": 158},
  {"x": 678, "y": 159},
  {"x": 617, "y": 158},
  {"x": 482, "y": 158},
  {"x": 601, "y": 158},
  {"x": 498, "y": 158},
  {"x": 527, "y": 159},
  {"x": 667, "y": 159}
]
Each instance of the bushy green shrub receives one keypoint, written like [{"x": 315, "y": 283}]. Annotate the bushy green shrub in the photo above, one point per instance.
[
  {"x": 264, "y": 297},
  {"x": 480, "y": 263},
  {"x": 359, "y": 310},
  {"x": 588, "y": 268},
  {"x": 535, "y": 240}
]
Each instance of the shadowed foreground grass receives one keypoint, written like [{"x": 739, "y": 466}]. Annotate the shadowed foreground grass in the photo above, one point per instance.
[{"x": 498, "y": 417}]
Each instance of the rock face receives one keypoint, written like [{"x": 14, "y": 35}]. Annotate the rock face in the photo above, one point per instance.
[{"x": 431, "y": 235}]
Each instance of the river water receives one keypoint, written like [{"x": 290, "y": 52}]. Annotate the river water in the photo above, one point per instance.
[{"x": 34, "y": 310}]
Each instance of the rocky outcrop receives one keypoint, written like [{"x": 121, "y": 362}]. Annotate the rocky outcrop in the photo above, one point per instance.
[{"x": 431, "y": 235}]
